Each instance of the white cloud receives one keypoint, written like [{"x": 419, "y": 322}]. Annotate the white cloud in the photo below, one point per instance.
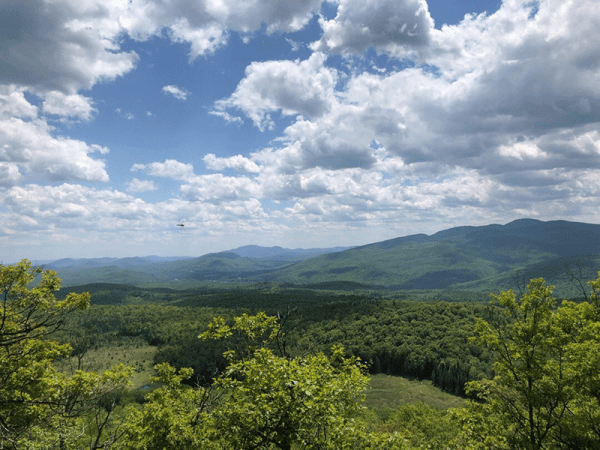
[
  {"x": 60, "y": 45},
  {"x": 74, "y": 207},
  {"x": 219, "y": 189},
  {"x": 183, "y": 21},
  {"x": 178, "y": 93},
  {"x": 29, "y": 145},
  {"x": 397, "y": 27},
  {"x": 291, "y": 87},
  {"x": 109, "y": 222},
  {"x": 14, "y": 104},
  {"x": 227, "y": 117},
  {"x": 73, "y": 105},
  {"x": 137, "y": 185},
  {"x": 9, "y": 174},
  {"x": 204, "y": 24},
  {"x": 503, "y": 120},
  {"x": 237, "y": 162},
  {"x": 168, "y": 169},
  {"x": 504, "y": 95},
  {"x": 295, "y": 45},
  {"x": 494, "y": 117},
  {"x": 203, "y": 40},
  {"x": 125, "y": 115}
]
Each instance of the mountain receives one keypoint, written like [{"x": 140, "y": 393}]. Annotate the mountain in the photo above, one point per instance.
[
  {"x": 245, "y": 263},
  {"x": 462, "y": 257},
  {"x": 474, "y": 258},
  {"x": 68, "y": 263},
  {"x": 132, "y": 262}
]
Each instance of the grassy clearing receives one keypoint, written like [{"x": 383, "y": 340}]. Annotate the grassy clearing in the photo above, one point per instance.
[
  {"x": 386, "y": 391},
  {"x": 138, "y": 356}
]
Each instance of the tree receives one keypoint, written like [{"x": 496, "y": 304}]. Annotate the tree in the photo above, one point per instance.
[
  {"x": 546, "y": 370},
  {"x": 265, "y": 398},
  {"x": 36, "y": 398},
  {"x": 175, "y": 416},
  {"x": 276, "y": 400}
]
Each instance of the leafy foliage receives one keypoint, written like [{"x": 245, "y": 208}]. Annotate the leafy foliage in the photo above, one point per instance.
[
  {"x": 35, "y": 398},
  {"x": 545, "y": 392},
  {"x": 266, "y": 398}
]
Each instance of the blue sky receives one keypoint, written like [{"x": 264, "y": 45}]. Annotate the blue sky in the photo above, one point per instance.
[{"x": 300, "y": 123}]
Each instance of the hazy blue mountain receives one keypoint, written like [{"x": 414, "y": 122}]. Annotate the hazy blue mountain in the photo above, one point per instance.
[
  {"x": 88, "y": 263},
  {"x": 80, "y": 263},
  {"x": 224, "y": 266}
]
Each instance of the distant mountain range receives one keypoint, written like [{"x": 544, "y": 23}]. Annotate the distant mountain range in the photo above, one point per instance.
[
  {"x": 248, "y": 251},
  {"x": 82, "y": 263},
  {"x": 248, "y": 262},
  {"x": 485, "y": 258}
]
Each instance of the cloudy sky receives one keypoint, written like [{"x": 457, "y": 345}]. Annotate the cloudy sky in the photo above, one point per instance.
[{"x": 300, "y": 123}]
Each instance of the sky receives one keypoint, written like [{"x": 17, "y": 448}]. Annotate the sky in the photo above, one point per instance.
[{"x": 298, "y": 123}]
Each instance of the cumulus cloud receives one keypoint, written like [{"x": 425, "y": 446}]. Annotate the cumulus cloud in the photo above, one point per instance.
[
  {"x": 204, "y": 39},
  {"x": 543, "y": 68},
  {"x": 137, "y": 185},
  {"x": 397, "y": 27},
  {"x": 511, "y": 91},
  {"x": 73, "y": 105},
  {"x": 177, "y": 92},
  {"x": 204, "y": 24},
  {"x": 14, "y": 104},
  {"x": 62, "y": 45},
  {"x": 39, "y": 217},
  {"x": 486, "y": 120},
  {"x": 168, "y": 169},
  {"x": 9, "y": 174},
  {"x": 237, "y": 162},
  {"x": 217, "y": 188},
  {"x": 39, "y": 214},
  {"x": 31, "y": 146},
  {"x": 291, "y": 87}
]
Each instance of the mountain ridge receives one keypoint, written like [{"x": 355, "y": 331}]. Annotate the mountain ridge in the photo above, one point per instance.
[{"x": 464, "y": 257}]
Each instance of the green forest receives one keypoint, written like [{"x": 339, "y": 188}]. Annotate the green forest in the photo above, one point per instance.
[{"x": 278, "y": 366}]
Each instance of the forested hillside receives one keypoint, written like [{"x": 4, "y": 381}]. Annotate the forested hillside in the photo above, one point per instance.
[{"x": 462, "y": 258}]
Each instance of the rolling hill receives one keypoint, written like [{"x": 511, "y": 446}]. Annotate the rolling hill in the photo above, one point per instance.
[
  {"x": 247, "y": 263},
  {"x": 472, "y": 258}
]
